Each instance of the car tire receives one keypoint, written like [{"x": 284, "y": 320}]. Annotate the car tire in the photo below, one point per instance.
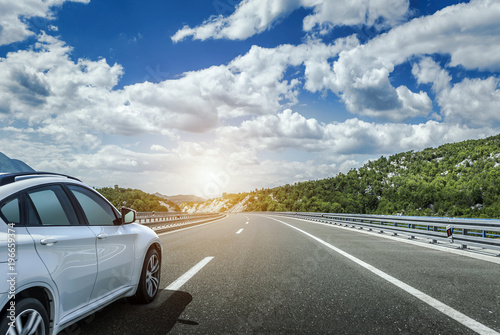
[
  {"x": 149, "y": 283},
  {"x": 31, "y": 315}
]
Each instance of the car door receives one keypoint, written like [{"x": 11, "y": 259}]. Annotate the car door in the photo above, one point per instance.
[
  {"x": 115, "y": 242},
  {"x": 66, "y": 247}
]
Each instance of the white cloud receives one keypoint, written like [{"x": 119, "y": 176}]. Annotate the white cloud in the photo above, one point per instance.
[
  {"x": 370, "y": 93},
  {"x": 255, "y": 16},
  {"x": 159, "y": 148},
  {"x": 71, "y": 108},
  {"x": 353, "y": 136},
  {"x": 275, "y": 132},
  {"x": 59, "y": 97},
  {"x": 273, "y": 173},
  {"x": 250, "y": 17},
  {"x": 354, "y": 12},
  {"x": 472, "y": 101},
  {"x": 13, "y": 25},
  {"x": 469, "y": 33},
  {"x": 76, "y": 101},
  {"x": 357, "y": 136},
  {"x": 427, "y": 71}
]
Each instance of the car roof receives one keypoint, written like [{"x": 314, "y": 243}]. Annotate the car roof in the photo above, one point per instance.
[{"x": 9, "y": 178}]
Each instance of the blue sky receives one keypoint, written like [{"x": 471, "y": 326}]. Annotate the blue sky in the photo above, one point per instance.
[{"x": 205, "y": 97}]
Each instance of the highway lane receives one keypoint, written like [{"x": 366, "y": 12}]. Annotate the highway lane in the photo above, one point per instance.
[{"x": 266, "y": 277}]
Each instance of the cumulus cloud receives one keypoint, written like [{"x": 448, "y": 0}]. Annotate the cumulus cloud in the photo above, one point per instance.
[
  {"x": 428, "y": 71},
  {"x": 255, "y": 16},
  {"x": 276, "y": 132},
  {"x": 55, "y": 95},
  {"x": 14, "y": 21},
  {"x": 76, "y": 100},
  {"x": 250, "y": 17},
  {"x": 201, "y": 169},
  {"x": 354, "y": 12},
  {"x": 66, "y": 99},
  {"x": 361, "y": 75},
  {"x": 69, "y": 108},
  {"x": 273, "y": 173},
  {"x": 357, "y": 136},
  {"x": 473, "y": 101},
  {"x": 291, "y": 130}
]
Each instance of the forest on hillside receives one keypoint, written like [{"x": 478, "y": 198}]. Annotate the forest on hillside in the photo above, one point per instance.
[
  {"x": 454, "y": 180},
  {"x": 136, "y": 199}
]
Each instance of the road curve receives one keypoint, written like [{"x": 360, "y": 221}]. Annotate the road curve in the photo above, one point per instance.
[{"x": 261, "y": 274}]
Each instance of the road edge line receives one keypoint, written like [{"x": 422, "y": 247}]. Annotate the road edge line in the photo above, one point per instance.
[
  {"x": 421, "y": 243},
  {"x": 443, "y": 308}
]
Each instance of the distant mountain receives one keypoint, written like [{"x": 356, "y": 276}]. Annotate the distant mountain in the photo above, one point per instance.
[
  {"x": 181, "y": 198},
  {"x": 137, "y": 199},
  {"x": 13, "y": 165}
]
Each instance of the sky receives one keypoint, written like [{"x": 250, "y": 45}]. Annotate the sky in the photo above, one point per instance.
[{"x": 211, "y": 96}]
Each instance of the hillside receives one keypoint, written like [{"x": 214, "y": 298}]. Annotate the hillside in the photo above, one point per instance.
[
  {"x": 454, "y": 180},
  {"x": 232, "y": 203},
  {"x": 181, "y": 198},
  {"x": 13, "y": 165},
  {"x": 137, "y": 199}
]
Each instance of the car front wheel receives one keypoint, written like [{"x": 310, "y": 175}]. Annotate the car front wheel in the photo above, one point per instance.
[
  {"x": 149, "y": 282},
  {"x": 30, "y": 318}
]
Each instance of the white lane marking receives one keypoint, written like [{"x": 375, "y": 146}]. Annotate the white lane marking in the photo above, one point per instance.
[
  {"x": 188, "y": 275},
  {"x": 246, "y": 222},
  {"x": 239, "y": 231},
  {"x": 199, "y": 225},
  {"x": 447, "y": 310}
]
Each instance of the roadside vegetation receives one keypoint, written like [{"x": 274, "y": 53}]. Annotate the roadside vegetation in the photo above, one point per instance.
[{"x": 454, "y": 180}]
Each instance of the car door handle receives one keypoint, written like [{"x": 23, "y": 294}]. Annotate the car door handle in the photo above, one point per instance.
[
  {"x": 102, "y": 236},
  {"x": 48, "y": 241}
]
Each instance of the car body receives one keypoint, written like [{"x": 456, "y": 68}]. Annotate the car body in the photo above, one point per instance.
[{"x": 66, "y": 252}]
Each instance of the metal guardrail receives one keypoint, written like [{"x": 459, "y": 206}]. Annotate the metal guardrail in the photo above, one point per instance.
[
  {"x": 164, "y": 221},
  {"x": 465, "y": 232}
]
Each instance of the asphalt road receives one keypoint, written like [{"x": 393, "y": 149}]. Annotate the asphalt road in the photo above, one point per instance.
[{"x": 252, "y": 274}]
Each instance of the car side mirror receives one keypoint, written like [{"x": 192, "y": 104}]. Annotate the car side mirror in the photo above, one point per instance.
[{"x": 128, "y": 215}]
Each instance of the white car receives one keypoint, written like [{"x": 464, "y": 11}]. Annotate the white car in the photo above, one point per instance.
[{"x": 66, "y": 252}]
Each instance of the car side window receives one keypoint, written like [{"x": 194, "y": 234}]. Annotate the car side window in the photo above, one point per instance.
[
  {"x": 96, "y": 209},
  {"x": 10, "y": 211},
  {"x": 51, "y": 207}
]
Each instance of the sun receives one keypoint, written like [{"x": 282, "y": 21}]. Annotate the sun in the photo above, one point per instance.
[{"x": 212, "y": 182}]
